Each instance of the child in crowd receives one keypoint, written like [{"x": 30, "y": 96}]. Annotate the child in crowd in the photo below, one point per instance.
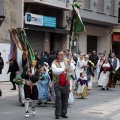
[
  {"x": 43, "y": 86},
  {"x": 46, "y": 66},
  {"x": 82, "y": 86}
]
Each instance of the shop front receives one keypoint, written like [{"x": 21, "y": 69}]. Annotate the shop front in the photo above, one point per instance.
[
  {"x": 43, "y": 34},
  {"x": 116, "y": 43}
]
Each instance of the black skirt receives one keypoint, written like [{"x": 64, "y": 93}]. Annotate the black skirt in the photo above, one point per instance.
[{"x": 32, "y": 95}]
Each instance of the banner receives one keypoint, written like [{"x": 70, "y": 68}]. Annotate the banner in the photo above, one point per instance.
[{"x": 78, "y": 24}]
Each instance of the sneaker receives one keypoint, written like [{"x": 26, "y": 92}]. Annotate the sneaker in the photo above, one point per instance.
[
  {"x": 43, "y": 105},
  {"x": 33, "y": 110},
  {"x": 103, "y": 88},
  {"x": 27, "y": 114}
]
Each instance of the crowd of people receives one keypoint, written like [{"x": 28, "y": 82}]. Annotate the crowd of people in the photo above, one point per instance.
[{"x": 58, "y": 75}]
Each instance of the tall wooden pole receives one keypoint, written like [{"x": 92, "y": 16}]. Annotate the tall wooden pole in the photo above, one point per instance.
[{"x": 71, "y": 28}]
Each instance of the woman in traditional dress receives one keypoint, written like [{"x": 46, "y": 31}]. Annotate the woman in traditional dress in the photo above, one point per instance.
[
  {"x": 43, "y": 86},
  {"x": 71, "y": 94},
  {"x": 82, "y": 86},
  {"x": 99, "y": 63},
  {"x": 88, "y": 69},
  {"x": 104, "y": 75},
  {"x": 79, "y": 66}
]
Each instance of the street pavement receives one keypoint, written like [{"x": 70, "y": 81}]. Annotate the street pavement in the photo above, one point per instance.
[{"x": 99, "y": 105}]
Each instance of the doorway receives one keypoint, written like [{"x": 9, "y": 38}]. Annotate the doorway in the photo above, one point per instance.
[{"x": 91, "y": 43}]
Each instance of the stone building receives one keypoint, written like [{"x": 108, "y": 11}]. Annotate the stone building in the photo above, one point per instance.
[{"x": 99, "y": 17}]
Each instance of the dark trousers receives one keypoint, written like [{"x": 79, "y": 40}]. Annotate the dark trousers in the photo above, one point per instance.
[
  {"x": 33, "y": 95},
  {"x": 61, "y": 102},
  {"x": 12, "y": 76}
]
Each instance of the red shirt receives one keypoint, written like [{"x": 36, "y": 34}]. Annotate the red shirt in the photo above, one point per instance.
[{"x": 62, "y": 80}]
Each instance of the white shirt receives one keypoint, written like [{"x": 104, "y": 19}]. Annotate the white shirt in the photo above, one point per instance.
[
  {"x": 80, "y": 63},
  {"x": 118, "y": 63},
  {"x": 32, "y": 70},
  {"x": 58, "y": 71}
]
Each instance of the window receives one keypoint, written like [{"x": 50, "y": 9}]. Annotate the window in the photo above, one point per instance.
[
  {"x": 87, "y": 4},
  {"x": 112, "y": 7},
  {"x": 119, "y": 16},
  {"x": 91, "y": 43},
  {"x": 100, "y": 6}
]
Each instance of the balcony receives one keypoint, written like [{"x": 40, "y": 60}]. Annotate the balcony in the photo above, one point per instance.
[
  {"x": 101, "y": 12},
  {"x": 53, "y": 3}
]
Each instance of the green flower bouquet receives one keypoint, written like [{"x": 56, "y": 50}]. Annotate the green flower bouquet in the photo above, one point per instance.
[
  {"x": 113, "y": 72},
  {"x": 92, "y": 64},
  {"x": 18, "y": 80},
  {"x": 41, "y": 77}
]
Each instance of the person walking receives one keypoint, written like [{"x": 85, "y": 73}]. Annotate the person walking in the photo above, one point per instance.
[
  {"x": 94, "y": 58},
  {"x": 80, "y": 65},
  {"x": 37, "y": 58},
  {"x": 66, "y": 53},
  {"x": 1, "y": 64},
  {"x": 61, "y": 75},
  {"x": 99, "y": 63},
  {"x": 30, "y": 76},
  {"x": 52, "y": 57},
  {"x": 88, "y": 69},
  {"x": 114, "y": 61},
  {"x": 13, "y": 69},
  {"x": 82, "y": 86},
  {"x": 104, "y": 74},
  {"x": 43, "y": 86},
  {"x": 44, "y": 58},
  {"x": 1, "y": 68}
]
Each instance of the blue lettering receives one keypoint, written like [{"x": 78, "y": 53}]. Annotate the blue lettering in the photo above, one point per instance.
[{"x": 28, "y": 17}]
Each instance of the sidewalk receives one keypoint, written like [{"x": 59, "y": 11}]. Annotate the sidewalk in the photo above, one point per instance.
[{"x": 6, "y": 89}]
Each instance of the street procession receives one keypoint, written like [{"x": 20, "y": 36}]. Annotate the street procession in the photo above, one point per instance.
[{"x": 47, "y": 66}]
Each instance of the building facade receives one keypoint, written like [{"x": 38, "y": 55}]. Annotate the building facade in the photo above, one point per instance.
[
  {"x": 12, "y": 12},
  {"x": 51, "y": 34},
  {"x": 116, "y": 35},
  {"x": 47, "y": 31},
  {"x": 99, "y": 17}
]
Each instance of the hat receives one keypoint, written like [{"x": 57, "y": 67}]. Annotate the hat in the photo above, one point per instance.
[
  {"x": 45, "y": 63},
  {"x": 86, "y": 56}
]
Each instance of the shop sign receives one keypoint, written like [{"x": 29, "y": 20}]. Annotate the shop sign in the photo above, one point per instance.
[
  {"x": 40, "y": 20},
  {"x": 116, "y": 37},
  {"x": 49, "y": 21}
]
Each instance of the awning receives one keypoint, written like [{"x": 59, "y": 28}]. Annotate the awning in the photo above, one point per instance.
[
  {"x": 46, "y": 29},
  {"x": 1, "y": 19},
  {"x": 116, "y": 37}
]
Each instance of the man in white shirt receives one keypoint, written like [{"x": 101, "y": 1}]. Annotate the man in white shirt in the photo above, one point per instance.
[
  {"x": 61, "y": 75},
  {"x": 114, "y": 62},
  {"x": 115, "y": 66}
]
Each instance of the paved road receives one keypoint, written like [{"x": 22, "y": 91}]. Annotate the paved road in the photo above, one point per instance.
[{"x": 99, "y": 105}]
